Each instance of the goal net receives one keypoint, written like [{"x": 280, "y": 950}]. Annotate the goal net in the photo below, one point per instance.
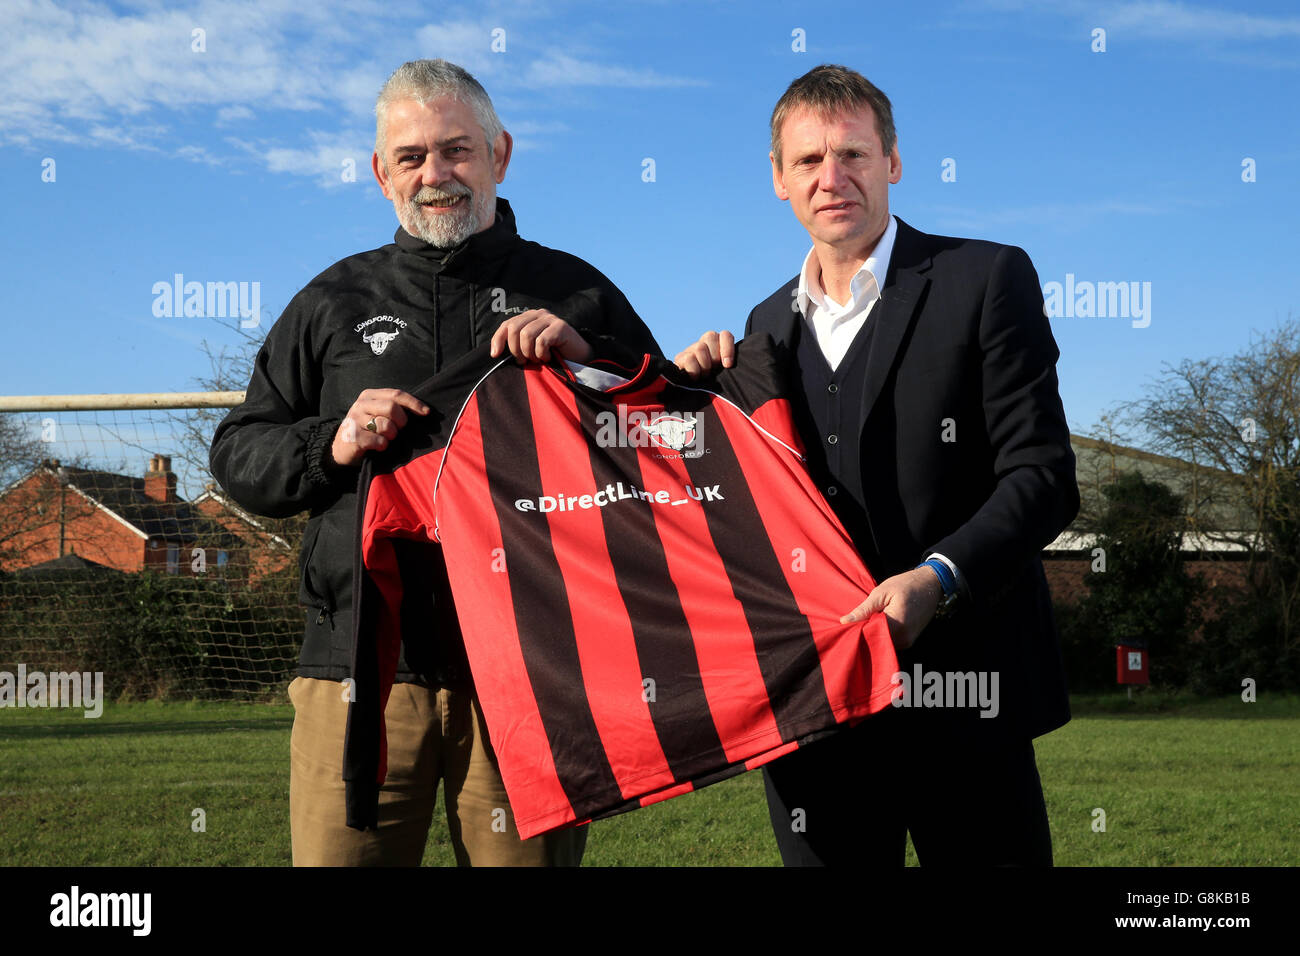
[{"x": 120, "y": 555}]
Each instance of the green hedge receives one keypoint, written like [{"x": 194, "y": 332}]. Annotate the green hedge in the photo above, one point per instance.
[{"x": 154, "y": 635}]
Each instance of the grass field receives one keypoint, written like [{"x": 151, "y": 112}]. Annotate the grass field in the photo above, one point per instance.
[{"x": 1182, "y": 782}]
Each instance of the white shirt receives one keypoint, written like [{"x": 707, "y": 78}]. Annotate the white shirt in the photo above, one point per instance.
[{"x": 835, "y": 325}]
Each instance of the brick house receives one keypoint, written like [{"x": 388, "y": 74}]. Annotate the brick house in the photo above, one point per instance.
[
  {"x": 266, "y": 550},
  {"x": 117, "y": 521}
]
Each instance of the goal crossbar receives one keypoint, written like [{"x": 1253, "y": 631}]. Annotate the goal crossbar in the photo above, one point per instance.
[{"x": 113, "y": 401}]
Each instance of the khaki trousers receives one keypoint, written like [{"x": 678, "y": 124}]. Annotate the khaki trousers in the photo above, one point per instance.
[{"x": 433, "y": 734}]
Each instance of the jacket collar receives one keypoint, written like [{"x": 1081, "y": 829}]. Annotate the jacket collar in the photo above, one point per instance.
[
  {"x": 491, "y": 243},
  {"x": 908, "y": 262}
]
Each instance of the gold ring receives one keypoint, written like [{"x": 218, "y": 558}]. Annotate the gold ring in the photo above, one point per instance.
[{"x": 371, "y": 426}]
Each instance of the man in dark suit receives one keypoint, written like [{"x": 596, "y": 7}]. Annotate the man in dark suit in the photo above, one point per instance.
[{"x": 923, "y": 374}]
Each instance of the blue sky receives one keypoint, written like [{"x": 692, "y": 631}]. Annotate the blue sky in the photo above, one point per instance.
[{"x": 225, "y": 164}]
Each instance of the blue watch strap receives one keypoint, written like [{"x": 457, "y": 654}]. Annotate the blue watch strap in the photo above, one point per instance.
[{"x": 946, "y": 579}]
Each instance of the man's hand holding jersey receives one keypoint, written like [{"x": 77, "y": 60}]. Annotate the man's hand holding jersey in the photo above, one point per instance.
[
  {"x": 908, "y": 600},
  {"x": 378, "y": 413},
  {"x": 372, "y": 422},
  {"x": 714, "y": 350},
  {"x": 536, "y": 335}
]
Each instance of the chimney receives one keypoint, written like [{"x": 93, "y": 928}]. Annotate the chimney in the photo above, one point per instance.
[{"x": 159, "y": 482}]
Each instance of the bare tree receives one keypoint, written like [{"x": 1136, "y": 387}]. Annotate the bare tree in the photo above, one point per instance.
[
  {"x": 27, "y": 507},
  {"x": 20, "y": 449},
  {"x": 1235, "y": 423},
  {"x": 230, "y": 371}
]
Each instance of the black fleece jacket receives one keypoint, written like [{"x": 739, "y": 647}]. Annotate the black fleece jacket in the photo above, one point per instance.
[{"x": 387, "y": 318}]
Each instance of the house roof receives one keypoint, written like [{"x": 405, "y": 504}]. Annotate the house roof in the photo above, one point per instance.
[
  {"x": 69, "y": 563},
  {"x": 210, "y": 493},
  {"x": 124, "y": 498},
  {"x": 1221, "y": 518}
]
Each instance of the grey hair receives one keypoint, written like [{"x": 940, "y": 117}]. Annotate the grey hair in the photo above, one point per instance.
[{"x": 424, "y": 80}]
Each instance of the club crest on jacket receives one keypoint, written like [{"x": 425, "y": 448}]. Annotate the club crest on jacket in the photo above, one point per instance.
[{"x": 379, "y": 339}]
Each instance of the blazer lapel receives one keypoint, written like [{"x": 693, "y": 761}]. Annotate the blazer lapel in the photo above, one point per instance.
[{"x": 894, "y": 313}]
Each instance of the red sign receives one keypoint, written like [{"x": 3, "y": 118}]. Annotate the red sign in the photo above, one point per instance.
[{"x": 1131, "y": 665}]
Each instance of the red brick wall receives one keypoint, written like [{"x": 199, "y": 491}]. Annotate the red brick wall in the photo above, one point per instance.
[
  {"x": 1065, "y": 574},
  {"x": 256, "y": 555},
  {"x": 29, "y": 528}
]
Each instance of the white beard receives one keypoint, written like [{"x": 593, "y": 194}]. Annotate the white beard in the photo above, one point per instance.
[{"x": 443, "y": 230}]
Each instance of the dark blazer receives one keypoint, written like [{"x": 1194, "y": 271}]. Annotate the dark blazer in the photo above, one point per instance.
[{"x": 962, "y": 349}]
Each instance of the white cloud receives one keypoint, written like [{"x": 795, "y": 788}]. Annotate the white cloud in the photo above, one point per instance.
[
  {"x": 233, "y": 114},
  {"x": 197, "y": 154},
  {"x": 1066, "y": 215},
  {"x": 469, "y": 44},
  {"x": 324, "y": 157},
  {"x": 68, "y": 67},
  {"x": 560, "y": 69},
  {"x": 86, "y": 72},
  {"x": 530, "y": 135},
  {"x": 465, "y": 43},
  {"x": 1165, "y": 19}
]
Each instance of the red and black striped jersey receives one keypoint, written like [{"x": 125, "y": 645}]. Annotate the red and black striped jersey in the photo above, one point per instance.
[{"x": 648, "y": 582}]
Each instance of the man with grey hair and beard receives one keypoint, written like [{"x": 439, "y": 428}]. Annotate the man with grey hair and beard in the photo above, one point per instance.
[{"x": 331, "y": 384}]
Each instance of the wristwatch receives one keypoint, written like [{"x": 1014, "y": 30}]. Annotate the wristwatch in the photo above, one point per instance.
[{"x": 946, "y": 607}]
